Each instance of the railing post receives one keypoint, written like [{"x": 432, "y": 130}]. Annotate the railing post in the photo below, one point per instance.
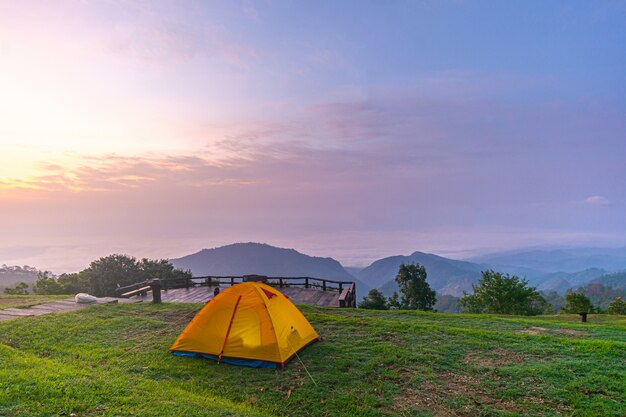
[
  {"x": 340, "y": 287},
  {"x": 583, "y": 316},
  {"x": 155, "y": 285},
  {"x": 306, "y": 283},
  {"x": 280, "y": 282},
  {"x": 324, "y": 285}
]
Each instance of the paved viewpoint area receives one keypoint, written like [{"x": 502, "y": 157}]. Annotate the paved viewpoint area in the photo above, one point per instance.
[
  {"x": 60, "y": 306},
  {"x": 309, "y": 296}
]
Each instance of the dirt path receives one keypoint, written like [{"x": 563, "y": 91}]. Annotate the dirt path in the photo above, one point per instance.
[{"x": 61, "y": 306}]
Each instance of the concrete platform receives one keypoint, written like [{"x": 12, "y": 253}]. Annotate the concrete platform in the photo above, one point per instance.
[
  {"x": 60, "y": 306},
  {"x": 311, "y": 296}
]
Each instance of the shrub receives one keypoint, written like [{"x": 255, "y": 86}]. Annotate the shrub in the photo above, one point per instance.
[
  {"x": 375, "y": 300},
  {"x": 498, "y": 293},
  {"x": 617, "y": 306}
]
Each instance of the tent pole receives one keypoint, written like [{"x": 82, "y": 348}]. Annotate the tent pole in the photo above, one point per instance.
[{"x": 230, "y": 325}]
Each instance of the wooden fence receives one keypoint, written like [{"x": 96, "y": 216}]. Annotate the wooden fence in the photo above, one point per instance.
[{"x": 347, "y": 289}]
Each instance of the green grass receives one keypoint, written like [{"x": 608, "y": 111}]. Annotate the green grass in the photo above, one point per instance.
[
  {"x": 111, "y": 360},
  {"x": 23, "y": 301}
]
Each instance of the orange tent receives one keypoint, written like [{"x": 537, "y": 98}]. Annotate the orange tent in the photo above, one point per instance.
[{"x": 250, "y": 324}]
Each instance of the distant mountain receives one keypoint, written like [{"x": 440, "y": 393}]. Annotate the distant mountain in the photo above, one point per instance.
[
  {"x": 616, "y": 280},
  {"x": 539, "y": 262},
  {"x": 353, "y": 270},
  {"x": 446, "y": 276},
  {"x": 562, "y": 281},
  {"x": 600, "y": 294},
  {"x": 263, "y": 259},
  {"x": 560, "y": 285}
]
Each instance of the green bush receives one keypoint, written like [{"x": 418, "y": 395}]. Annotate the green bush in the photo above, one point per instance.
[
  {"x": 617, "y": 306},
  {"x": 105, "y": 275},
  {"x": 375, "y": 300},
  {"x": 498, "y": 293},
  {"x": 21, "y": 288}
]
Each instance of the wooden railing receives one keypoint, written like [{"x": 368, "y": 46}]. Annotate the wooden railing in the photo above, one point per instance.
[{"x": 347, "y": 289}]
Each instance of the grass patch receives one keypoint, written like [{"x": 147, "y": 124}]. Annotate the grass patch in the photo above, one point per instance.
[
  {"x": 111, "y": 360},
  {"x": 23, "y": 301}
]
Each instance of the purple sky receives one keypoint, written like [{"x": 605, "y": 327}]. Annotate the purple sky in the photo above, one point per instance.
[{"x": 355, "y": 130}]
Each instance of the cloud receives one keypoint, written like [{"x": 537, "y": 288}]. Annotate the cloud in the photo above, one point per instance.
[
  {"x": 597, "y": 200},
  {"x": 381, "y": 166},
  {"x": 455, "y": 152}
]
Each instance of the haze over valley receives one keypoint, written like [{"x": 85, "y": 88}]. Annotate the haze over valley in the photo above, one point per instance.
[{"x": 548, "y": 270}]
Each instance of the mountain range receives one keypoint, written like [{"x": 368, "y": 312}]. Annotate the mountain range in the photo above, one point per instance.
[
  {"x": 535, "y": 263},
  {"x": 548, "y": 270},
  {"x": 446, "y": 276}
]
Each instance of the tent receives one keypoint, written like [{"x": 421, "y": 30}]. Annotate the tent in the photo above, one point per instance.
[{"x": 249, "y": 324}]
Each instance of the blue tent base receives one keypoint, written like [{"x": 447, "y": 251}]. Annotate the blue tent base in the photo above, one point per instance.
[{"x": 253, "y": 363}]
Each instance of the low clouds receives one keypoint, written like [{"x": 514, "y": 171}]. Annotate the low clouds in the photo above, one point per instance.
[
  {"x": 382, "y": 172},
  {"x": 384, "y": 164},
  {"x": 597, "y": 200}
]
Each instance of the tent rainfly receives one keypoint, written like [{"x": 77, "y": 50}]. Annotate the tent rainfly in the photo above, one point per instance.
[{"x": 248, "y": 324}]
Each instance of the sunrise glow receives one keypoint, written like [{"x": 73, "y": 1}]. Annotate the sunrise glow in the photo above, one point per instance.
[{"x": 343, "y": 129}]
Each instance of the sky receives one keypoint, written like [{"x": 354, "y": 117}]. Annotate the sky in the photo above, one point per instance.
[{"x": 350, "y": 129}]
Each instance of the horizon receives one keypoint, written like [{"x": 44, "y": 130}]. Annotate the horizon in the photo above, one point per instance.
[
  {"x": 354, "y": 130},
  {"x": 474, "y": 257}
]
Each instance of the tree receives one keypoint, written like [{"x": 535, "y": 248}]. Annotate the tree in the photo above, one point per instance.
[
  {"x": 416, "y": 293},
  {"x": 47, "y": 284},
  {"x": 103, "y": 276},
  {"x": 161, "y": 269},
  {"x": 394, "y": 301},
  {"x": 375, "y": 300},
  {"x": 73, "y": 283},
  {"x": 498, "y": 293},
  {"x": 21, "y": 288},
  {"x": 617, "y": 306},
  {"x": 576, "y": 303}
]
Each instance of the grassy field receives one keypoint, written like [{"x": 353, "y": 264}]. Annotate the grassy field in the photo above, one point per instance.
[
  {"x": 21, "y": 301},
  {"x": 111, "y": 360}
]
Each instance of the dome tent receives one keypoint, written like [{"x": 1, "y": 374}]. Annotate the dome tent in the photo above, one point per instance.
[{"x": 249, "y": 324}]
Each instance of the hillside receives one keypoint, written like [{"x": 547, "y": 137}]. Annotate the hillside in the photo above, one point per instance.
[
  {"x": 113, "y": 361},
  {"x": 263, "y": 259},
  {"x": 258, "y": 258},
  {"x": 562, "y": 281},
  {"x": 616, "y": 280},
  {"x": 446, "y": 276}
]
